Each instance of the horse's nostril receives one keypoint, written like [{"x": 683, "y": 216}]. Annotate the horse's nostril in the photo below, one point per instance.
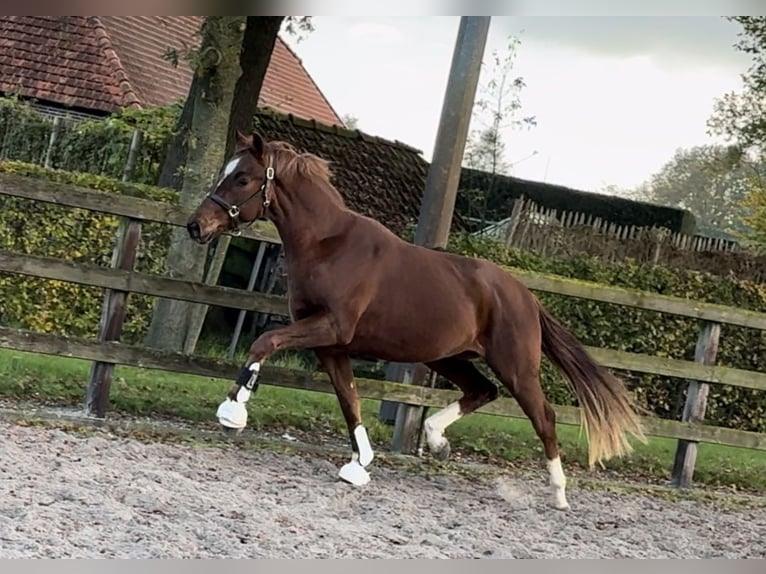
[{"x": 193, "y": 229}]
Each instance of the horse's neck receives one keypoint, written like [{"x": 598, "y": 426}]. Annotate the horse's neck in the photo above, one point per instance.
[{"x": 305, "y": 215}]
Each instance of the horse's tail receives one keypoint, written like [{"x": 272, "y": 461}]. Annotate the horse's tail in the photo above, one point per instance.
[{"x": 608, "y": 408}]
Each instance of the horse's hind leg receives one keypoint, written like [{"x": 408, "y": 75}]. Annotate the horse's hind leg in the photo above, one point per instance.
[
  {"x": 338, "y": 367},
  {"x": 517, "y": 364},
  {"x": 477, "y": 391}
]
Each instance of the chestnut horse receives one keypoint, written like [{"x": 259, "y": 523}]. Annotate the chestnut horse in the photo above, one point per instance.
[{"x": 356, "y": 288}]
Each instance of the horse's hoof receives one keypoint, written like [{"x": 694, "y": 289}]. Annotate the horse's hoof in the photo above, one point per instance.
[
  {"x": 354, "y": 473},
  {"x": 442, "y": 452},
  {"x": 232, "y": 415},
  {"x": 231, "y": 431},
  {"x": 563, "y": 506}
]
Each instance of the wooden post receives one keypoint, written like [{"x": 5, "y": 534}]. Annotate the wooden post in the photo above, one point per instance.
[
  {"x": 115, "y": 302},
  {"x": 514, "y": 222},
  {"x": 112, "y": 317},
  {"x": 443, "y": 177},
  {"x": 409, "y": 418},
  {"x": 696, "y": 403}
]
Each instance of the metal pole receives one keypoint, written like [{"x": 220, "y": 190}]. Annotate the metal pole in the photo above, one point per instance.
[
  {"x": 250, "y": 285},
  {"x": 443, "y": 178},
  {"x": 52, "y": 141}
]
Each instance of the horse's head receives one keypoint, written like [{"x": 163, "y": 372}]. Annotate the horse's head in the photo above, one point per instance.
[{"x": 241, "y": 194}]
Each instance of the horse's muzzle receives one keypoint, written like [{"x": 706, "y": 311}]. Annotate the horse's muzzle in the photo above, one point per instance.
[{"x": 194, "y": 230}]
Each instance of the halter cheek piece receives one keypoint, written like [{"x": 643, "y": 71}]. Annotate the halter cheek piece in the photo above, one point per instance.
[{"x": 233, "y": 211}]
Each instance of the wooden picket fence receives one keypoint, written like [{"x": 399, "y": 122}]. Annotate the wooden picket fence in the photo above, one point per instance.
[
  {"x": 557, "y": 233},
  {"x": 121, "y": 279}
]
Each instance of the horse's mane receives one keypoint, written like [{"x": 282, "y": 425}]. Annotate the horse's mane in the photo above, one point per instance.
[{"x": 290, "y": 163}]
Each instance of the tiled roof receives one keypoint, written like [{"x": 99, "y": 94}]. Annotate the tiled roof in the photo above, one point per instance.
[
  {"x": 58, "y": 59},
  {"x": 377, "y": 177},
  {"x": 142, "y": 42},
  {"x": 104, "y": 63}
]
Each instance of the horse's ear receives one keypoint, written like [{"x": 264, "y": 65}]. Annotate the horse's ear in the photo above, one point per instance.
[
  {"x": 257, "y": 144},
  {"x": 243, "y": 142},
  {"x": 253, "y": 143}
]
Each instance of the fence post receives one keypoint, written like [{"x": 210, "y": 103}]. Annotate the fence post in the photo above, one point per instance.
[
  {"x": 696, "y": 403},
  {"x": 135, "y": 146},
  {"x": 409, "y": 419},
  {"x": 438, "y": 204},
  {"x": 516, "y": 211},
  {"x": 52, "y": 141},
  {"x": 112, "y": 317},
  {"x": 114, "y": 306}
]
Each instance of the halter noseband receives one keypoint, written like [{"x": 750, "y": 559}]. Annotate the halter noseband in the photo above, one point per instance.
[{"x": 233, "y": 211}]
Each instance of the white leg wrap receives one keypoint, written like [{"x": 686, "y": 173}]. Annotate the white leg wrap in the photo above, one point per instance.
[
  {"x": 243, "y": 395},
  {"x": 436, "y": 424},
  {"x": 233, "y": 414},
  {"x": 558, "y": 481},
  {"x": 354, "y": 473},
  {"x": 363, "y": 443}
]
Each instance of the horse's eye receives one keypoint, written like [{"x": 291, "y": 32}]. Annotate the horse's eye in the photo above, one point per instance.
[{"x": 242, "y": 182}]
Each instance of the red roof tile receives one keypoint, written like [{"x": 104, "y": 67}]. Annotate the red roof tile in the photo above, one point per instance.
[
  {"x": 56, "y": 58},
  {"x": 107, "y": 62}
]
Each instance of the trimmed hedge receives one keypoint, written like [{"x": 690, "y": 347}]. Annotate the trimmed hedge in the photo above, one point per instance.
[
  {"x": 75, "y": 235},
  {"x": 98, "y": 146}
]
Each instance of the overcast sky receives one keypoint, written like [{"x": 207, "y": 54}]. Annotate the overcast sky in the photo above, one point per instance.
[{"x": 613, "y": 97}]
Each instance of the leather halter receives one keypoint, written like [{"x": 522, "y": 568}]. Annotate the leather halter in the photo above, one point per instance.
[{"x": 234, "y": 211}]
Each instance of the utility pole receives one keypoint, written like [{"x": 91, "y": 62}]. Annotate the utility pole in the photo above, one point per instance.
[{"x": 442, "y": 182}]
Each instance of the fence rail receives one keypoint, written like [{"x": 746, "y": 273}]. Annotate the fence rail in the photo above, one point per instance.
[
  {"x": 141, "y": 357},
  {"x": 107, "y": 350},
  {"x": 148, "y": 284}
]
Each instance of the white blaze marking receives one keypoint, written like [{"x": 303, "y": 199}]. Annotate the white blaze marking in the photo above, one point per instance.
[
  {"x": 437, "y": 423},
  {"x": 228, "y": 170}
]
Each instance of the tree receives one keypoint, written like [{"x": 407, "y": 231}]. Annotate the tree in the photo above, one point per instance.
[
  {"x": 495, "y": 111},
  {"x": 257, "y": 46},
  {"x": 194, "y": 157},
  {"x": 741, "y": 117},
  {"x": 710, "y": 181},
  {"x": 222, "y": 99},
  {"x": 350, "y": 121}
]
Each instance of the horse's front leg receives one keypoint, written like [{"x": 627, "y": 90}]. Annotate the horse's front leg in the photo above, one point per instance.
[
  {"x": 314, "y": 331},
  {"x": 338, "y": 367}
]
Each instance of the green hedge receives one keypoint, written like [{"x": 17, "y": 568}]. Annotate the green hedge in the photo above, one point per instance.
[
  {"x": 98, "y": 146},
  {"x": 77, "y": 235},
  {"x": 638, "y": 331}
]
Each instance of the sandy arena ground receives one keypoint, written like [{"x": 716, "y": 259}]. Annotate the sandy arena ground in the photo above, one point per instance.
[{"x": 70, "y": 495}]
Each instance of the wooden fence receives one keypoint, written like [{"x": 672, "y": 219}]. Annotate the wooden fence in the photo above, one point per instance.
[{"x": 121, "y": 279}]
